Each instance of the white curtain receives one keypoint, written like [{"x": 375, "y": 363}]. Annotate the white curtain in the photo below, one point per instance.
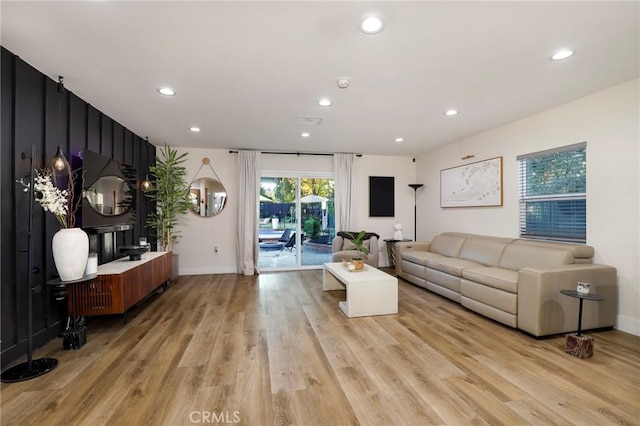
[
  {"x": 248, "y": 184},
  {"x": 345, "y": 191}
]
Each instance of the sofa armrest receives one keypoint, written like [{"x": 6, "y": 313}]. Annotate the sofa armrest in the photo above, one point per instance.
[
  {"x": 543, "y": 311},
  {"x": 403, "y": 247}
]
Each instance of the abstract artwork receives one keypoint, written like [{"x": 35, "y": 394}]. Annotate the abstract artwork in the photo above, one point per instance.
[{"x": 477, "y": 184}]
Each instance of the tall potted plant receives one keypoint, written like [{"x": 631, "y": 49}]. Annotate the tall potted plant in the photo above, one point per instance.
[{"x": 170, "y": 192}]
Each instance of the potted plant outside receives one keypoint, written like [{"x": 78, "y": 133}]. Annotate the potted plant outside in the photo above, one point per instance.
[
  {"x": 358, "y": 242},
  {"x": 171, "y": 194}
]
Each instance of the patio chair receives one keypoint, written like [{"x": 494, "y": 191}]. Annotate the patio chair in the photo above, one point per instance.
[
  {"x": 290, "y": 244},
  {"x": 285, "y": 236}
]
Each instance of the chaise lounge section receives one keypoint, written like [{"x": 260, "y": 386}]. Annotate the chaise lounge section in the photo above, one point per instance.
[{"x": 513, "y": 281}]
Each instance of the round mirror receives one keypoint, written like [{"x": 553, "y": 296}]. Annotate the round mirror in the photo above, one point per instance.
[
  {"x": 109, "y": 196},
  {"x": 208, "y": 197}
]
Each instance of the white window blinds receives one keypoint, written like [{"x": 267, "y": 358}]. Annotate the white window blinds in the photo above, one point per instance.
[{"x": 553, "y": 194}]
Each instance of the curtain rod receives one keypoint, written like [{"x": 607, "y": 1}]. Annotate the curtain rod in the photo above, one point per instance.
[{"x": 233, "y": 151}]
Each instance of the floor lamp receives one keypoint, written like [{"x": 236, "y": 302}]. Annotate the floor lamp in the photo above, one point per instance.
[
  {"x": 415, "y": 187},
  {"x": 33, "y": 367}
]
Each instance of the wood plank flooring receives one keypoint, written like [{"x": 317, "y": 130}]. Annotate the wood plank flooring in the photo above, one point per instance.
[{"x": 277, "y": 350}]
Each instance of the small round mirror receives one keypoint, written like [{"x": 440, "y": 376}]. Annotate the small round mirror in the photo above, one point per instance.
[
  {"x": 208, "y": 197},
  {"x": 109, "y": 196}
]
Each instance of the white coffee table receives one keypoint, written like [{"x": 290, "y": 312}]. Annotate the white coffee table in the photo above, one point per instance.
[{"x": 370, "y": 292}]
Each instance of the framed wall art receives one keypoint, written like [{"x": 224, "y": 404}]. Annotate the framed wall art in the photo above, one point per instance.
[
  {"x": 381, "y": 196},
  {"x": 476, "y": 184}
]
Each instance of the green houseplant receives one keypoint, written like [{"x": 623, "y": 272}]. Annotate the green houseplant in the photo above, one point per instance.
[
  {"x": 358, "y": 242},
  {"x": 170, "y": 192}
]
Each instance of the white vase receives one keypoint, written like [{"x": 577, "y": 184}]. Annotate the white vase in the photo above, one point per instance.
[{"x": 70, "y": 248}]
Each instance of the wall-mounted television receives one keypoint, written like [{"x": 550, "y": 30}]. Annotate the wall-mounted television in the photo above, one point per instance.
[{"x": 108, "y": 192}]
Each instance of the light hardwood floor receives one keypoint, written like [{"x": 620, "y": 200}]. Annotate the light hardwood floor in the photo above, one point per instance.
[{"x": 276, "y": 349}]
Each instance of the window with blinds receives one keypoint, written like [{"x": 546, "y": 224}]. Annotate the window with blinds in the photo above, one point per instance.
[{"x": 553, "y": 194}]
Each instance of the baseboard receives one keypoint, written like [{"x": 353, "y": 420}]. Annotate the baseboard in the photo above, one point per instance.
[
  {"x": 209, "y": 270},
  {"x": 628, "y": 325}
]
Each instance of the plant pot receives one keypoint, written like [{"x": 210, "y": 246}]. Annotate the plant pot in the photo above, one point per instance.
[
  {"x": 358, "y": 263},
  {"x": 275, "y": 223},
  {"x": 70, "y": 248}
]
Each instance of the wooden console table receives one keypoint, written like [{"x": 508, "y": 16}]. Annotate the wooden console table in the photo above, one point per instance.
[{"x": 121, "y": 284}]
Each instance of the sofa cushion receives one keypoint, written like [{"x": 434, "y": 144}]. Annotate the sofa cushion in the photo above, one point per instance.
[
  {"x": 502, "y": 279},
  {"x": 580, "y": 251},
  {"x": 516, "y": 256},
  {"x": 446, "y": 245},
  {"x": 482, "y": 250},
  {"x": 490, "y": 312},
  {"x": 348, "y": 244},
  {"x": 451, "y": 265},
  {"x": 413, "y": 268},
  {"x": 502, "y": 300},
  {"x": 419, "y": 257},
  {"x": 443, "y": 279},
  {"x": 505, "y": 240}
]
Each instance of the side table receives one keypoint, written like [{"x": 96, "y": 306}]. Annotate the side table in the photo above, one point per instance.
[
  {"x": 391, "y": 250},
  {"x": 578, "y": 345},
  {"x": 74, "y": 336}
]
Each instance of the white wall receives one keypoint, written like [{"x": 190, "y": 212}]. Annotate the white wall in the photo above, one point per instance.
[
  {"x": 404, "y": 171},
  {"x": 200, "y": 236},
  {"x": 609, "y": 122}
]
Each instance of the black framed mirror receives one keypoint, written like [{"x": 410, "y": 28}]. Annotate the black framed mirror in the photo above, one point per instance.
[{"x": 109, "y": 196}]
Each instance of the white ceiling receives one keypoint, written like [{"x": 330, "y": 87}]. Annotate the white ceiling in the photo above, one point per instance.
[{"x": 245, "y": 71}]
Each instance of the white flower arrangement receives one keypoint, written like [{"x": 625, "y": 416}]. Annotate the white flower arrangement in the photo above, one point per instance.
[{"x": 51, "y": 198}]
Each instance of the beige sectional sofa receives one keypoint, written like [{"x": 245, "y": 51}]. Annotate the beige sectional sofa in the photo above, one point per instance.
[{"x": 513, "y": 281}]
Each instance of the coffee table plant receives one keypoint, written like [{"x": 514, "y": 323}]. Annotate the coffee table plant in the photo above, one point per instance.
[{"x": 359, "y": 243}]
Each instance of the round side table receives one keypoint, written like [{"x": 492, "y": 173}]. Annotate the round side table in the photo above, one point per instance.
[
  {"x": 578, "y": 345},
  {"x": 73, "y": 337}
]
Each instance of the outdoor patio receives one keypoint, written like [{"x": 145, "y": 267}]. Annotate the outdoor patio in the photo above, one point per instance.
[{"x": 312, "y": 254}]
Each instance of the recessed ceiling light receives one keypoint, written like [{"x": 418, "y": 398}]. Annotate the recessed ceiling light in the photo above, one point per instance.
[
  {"x": 371, "y": 25},
  {"x": 305, "y": 134},
  {"x": 562, "y": 54},
  {"x": 167, "y": 91},
  {"x": 194, "y": 129},
  {"x": 324, "y": 102},
  {"x": 451, "y": 112},
  {"x": 398, "y": 140}
]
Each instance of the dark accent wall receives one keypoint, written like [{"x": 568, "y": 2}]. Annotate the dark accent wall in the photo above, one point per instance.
[{"x": 34, "y": 112}]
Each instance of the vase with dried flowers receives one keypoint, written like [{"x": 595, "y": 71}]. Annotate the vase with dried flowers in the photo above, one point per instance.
[{"x": 70, "y": 245}]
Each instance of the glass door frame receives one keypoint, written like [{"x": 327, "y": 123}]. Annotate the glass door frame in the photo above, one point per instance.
[{"x": 297, "y": 176}]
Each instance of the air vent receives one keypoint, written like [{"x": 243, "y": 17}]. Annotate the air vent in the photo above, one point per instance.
[{"x": 309, "y": 121}]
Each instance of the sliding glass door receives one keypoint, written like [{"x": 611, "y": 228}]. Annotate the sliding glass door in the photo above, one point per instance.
[{"x": 297, "y": 221}]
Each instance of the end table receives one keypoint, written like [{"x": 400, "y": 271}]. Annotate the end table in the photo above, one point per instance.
[
  {"x": 391, "y": 250},
  {"x": 578, "y": 345},
  {"x": 73, "y": 336}
]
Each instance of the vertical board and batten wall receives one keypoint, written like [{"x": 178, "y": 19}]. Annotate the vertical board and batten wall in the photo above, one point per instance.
[{"x": 34, "y": 112}]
